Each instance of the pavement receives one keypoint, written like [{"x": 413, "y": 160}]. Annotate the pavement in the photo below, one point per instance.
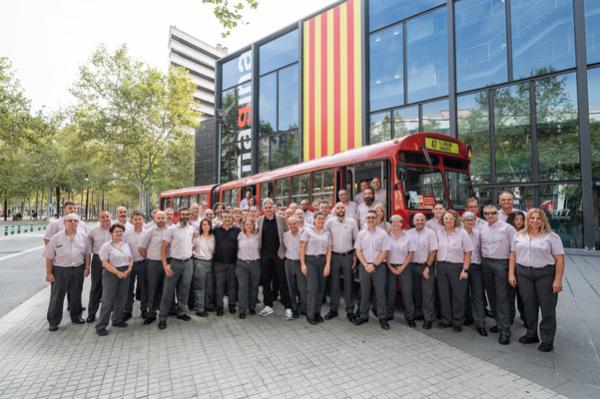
[{"x": 224, "y": 357}]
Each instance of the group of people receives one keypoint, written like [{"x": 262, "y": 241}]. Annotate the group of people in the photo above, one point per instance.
[{"x": 449, "y": 267}]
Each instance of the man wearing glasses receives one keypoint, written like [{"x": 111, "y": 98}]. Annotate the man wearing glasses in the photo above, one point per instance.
[
  {"x": 67, "y": 264},
  {"x": 496, "y": 237}
]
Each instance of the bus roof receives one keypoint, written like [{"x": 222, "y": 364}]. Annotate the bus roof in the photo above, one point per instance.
[{"x": 188, "y": 191}]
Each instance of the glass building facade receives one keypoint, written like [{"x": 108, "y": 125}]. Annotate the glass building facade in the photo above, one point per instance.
[{"x": 518, "y": 80}]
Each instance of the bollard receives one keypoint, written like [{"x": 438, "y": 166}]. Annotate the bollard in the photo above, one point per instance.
[
  {"x": 31, "y": 228},
  {"x": 18, "y": 229},
  {"x": 25, "y": 229},
  {"x": 12, "y": 230},
  {"x": 5, "y": 230}
]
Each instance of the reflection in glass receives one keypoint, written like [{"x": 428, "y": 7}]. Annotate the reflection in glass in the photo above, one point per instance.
[
  {"x": 480, "y": 43},
  {"x": 267, "y": 101},
  {"x": 380, "y": 127},
  {"x": 386, "y": 68},
  {"x": 422, "y": 187},
  {"x": 385, "y": 12},
  {"x": 597, "y": 214},
  {"x": 513, "y": 134},
  {"x": 562, "y": 204},
  {"x": 427, "y": 56},
  {"x": 523, "y": 196},
  {"x": 406, "y": 121},
  {"x": 279, "y": 52},
  {"x": 543, "y": 36},
  {"x": 594, "y": 100},
  {"x": 237, "y": 70},
  {"x": 473, "y": 129},
  {"x": 289, "y": 93},
  {"x": 557, "y": 128},
  {"x": 592, "y": 30},
  {"x": 436, "y": 117},
  {"x": 284, "y": 149},
  {"x": 459, "y": 188},
  {"x": 263, "y": 154}
]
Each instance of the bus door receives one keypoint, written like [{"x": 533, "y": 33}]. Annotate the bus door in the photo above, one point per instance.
[
  {"x": 252, "y": 189},
  {"x": 363, "y": 174}
]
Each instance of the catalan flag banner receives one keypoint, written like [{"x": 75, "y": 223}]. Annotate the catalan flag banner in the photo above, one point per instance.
[{"x": 332, "y": 95}]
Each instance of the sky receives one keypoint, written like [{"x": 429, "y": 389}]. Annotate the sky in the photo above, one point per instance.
[{"x": 48, "y": 40}]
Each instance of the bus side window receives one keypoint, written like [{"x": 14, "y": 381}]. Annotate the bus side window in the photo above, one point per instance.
[
  {"x": 350, "y": 183},
  {"x": 323, "y": 186},
  {"x": 265, "y": 190},
  {"x": 300, "y": 188},
  {"x": 282, "y": 190},
  {"x": 366, "y": 171},
  {"x": 234, "y": 198}
]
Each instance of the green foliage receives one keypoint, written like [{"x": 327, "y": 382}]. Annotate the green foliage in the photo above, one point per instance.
[{"x": 229, "y": 13}]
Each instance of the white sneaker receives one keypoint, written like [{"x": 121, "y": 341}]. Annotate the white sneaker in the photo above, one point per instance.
[
  {"x": 267, "y": 310},
  {"x": 288, "y": 314}
]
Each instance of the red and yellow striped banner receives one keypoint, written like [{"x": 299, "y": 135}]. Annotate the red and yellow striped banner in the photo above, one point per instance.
[{"x": 332, "y": 93}]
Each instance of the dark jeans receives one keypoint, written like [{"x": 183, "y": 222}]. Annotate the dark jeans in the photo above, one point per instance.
[
  {"x": 138, "y": 273},
  {"x": 225, "y": 276},
  {"x": 66, "y": 279},
  {"x": 495, "y": 281},
  {"x": 273, "y": 279},
  {"x": 96, "y": 290}
]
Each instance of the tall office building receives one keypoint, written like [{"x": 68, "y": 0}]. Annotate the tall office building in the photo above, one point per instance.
[{"x": 199, "y": 59}]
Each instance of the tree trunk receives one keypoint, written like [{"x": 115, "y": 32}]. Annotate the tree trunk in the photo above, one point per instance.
[
  {"x": 87, "y": 197},
  {"x": 57, "y": 202},
  {"x": 37, "y": 198},
  {"x": 5, "y": 206}
]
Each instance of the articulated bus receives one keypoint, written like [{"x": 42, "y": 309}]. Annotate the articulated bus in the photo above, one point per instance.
[{"x": 417, "y": 171}]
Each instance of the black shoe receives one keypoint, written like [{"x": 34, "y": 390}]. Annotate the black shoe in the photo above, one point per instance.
[
  {"x": 102, "y": 332},
  {"x": 149, "y": 320},
  {"x": 351, "y": 317},
  {"x": 52, "y": 328},
  {"x": 252, "y": 312},
  {"x": 220, "y": 312},
  {"x": 127, "y": 316},
  {"x": 389, "y": 318},
  {"x": 202, "y": 314},
  {"x": 482, "y": 332},
  {"x": 91, "y": 318},
  {"x": 545, "y": 347},
  {"x": 162, "y": 325},
  {"x": 303, "y": 313},
  {"x": 468, "y": 322},
  {"x": 331, "y": 315},
  {"x": 311, "y": 320},
  {"x": 411, "y": 323},
  {"x": 427, "y": 324},
  {"x": 78, "y": 321},
  {"x": 504, "y": 340},
  {"x": 494, "y": 329},
  {"x": 358, "y": 321},
  {"x": 457, "y": 328},
  {"x": 145, "y": 314},
  {"x": 210, "y": 309},
  {"x": 242, "y": 315},
  {"x": 295, "y": 315},
  {"x": 232, "y": 309},
  {"x": 488, "y": 313},
  {"x": 120, "y": 324},
  {"x": 384, "y": 324},
  {"x": 184, "y": 317},
  {"x": 319, "y": 318},
  {"x": 528, "y": 340},
  {"x": 441, "y": 324},
  {"x": 420, "y": 317}
]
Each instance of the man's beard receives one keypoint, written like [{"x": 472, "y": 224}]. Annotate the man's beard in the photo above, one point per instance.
[
  {"x": 368, "y": 201},
  {"x": 183, "y": 222}
]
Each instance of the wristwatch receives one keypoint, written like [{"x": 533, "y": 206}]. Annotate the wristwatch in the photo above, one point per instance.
[{"x": 465, "y": 271}]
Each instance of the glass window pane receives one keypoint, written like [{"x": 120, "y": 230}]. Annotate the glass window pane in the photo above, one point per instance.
[
  {"x": 557, "y": 128},
  {"x": 592, "y": 30},
  {"x": 282, "y": 190},
  {"x": 322, "y": 185},
  {"x": 300, "y": 187},
  {"x": 284, "y": 149},
  {"x": 263, "y": 154},
  {"x": 265, "y": 192},
  {"x": 459, "y": 188},
  {"x": 480, "y": 43},
  {"x": 542, "y": 36},
  {"x": 406, "y": 121},
  {"x": 562, "y": 204},
  {"x": 279, "y": 52},
  {"x": 385, "y": 12},
  {"x": 289, "y": 96},
  {"x": 597, "y": 214},
  {"x": 523, "y": 196},
  {"x": 386, "y": 68},
  {"x": 237, "y": 70},
  {"x": 513, "y": 134},
  {"x": 594, "y": 99},
  {"x": 422, "y": 187},
  {"x": 436, "y": 117},
  {"x": 380, "y": 127},
  {"x": 268, "y": 104},
  {"x": 427, "y": 56},
  {"x": 473, "y": 129}
]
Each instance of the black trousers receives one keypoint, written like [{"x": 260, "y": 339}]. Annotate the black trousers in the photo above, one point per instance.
[
  {"x": 138, "y": 274},
  {"x": 273, "y": 278},
  {"x": 96, "y": 290},
  {"x": 66, "y": 279}
]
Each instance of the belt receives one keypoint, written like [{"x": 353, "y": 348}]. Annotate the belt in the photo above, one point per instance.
[
  {"x": 535, "y": 268},
  {"x": 249, "y": 261},
  {"x": 294, "y": 260},
  {"x": 67, "y": 267},
  {"x": 206, "y": 260},
  {"x": 181, "y": 260},
  {"x": 317, "y": 256},
  {"x": 344, "y": 253}
]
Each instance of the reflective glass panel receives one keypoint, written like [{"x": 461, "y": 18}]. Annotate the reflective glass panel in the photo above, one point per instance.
[
  {"x": 267, "y": 100},
  {"x": 480, "y": 43},
  {"x": 436, "y": 117},
  {"x": 597, "y": 214},
  {"x": 592, "y": 30},
  {"x": 523, "y": 197},
  {"x": 279, "y": 52},
  {"x": 427, "y": 56},
  {"x": 289, "y": 93},
  {"x": 473, "y": 129},
  {"x": 237, "y": 70},
  {"x": 542, "y": 36},
  {"x": 300, "y": 187},
  {"x": 594, "y": 100},
  {"x": 459, "y": 188},
  {"x": 406, "y": 121},
  {"x": 263, "y": 154},
  {"x": 386, "y": 68},
  {"x": 513, "y": 133},
  {"x": 422, "y": 187},
  {"x": 562, "y": 204},
  {"x": 284, "y": 149},
  {"x": 385, "y": 12},
  {"x": 557, "y": 128},
  {"x": 380, "y": 127}
]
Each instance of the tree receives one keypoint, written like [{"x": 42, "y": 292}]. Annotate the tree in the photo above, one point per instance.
[{"x": 229, "y": 14}]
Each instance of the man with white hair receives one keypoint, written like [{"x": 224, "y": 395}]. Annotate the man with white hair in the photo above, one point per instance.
[{"x": 122, "y": 218}]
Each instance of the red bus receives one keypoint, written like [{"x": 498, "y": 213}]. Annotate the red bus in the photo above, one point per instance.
[{"x": 416, "y": 171}]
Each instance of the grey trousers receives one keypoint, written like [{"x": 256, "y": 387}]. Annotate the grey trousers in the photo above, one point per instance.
[
  {"x": 225, "y": 275},
  {"x": 413, "y": 274},
  {"x": 200, "y": 282},
  {"x": 138, "y": 274},
  {"x": 452, "y": 292},
  {"x": 155, "y": 275},
  {"x": 315, "y": 284},
  {"x": 96, "y": 290},
  {"x": 296, "y": 282},
  {"x": 180, "y": 284},
  {"x": 390, "y": 290},
  {"x": 66, "y": 279},
  {"x": 248, "y": 278},
  {"x": 341, "y": 266},
  {"x": 495, "y": 281},
  {"x": 475, "y": 296},
  {"x": 376, "y": 279},
  {"x": 535, "y": 286},
  {"x": 114, "y": 295}
]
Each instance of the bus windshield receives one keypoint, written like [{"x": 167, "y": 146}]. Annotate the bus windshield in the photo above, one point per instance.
[
  {"x": 459, "y": 188},
  {"x": 422, "y": 187}
]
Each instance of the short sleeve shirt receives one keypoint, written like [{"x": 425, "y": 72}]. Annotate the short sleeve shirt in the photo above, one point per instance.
[
  {"x": 453, "y": 247},
  {"x": 204, "y": 248},
  {"x": 98, "y": 236},
  {"x": 118, "y": 255},
  {"x": 152, "y": 242},
  {"x": 372, "y": 243},
  {"x": 292, "y": 245},
  {"x": 434, "y": 224},
  {"x": 134, "y": 239},
  {"x": 67, "y": 252},
  {"x": 537, "y": 251},
  {"x": 180, "y": 239},
  {"x": 399, "y": 248},
  {"x": 425, "y": 241},
  {"x": 496, "y": 240},
  {"x": 248, "y": 246},
  {"x": 343, "y": 234},
  {"x": 474, "y": 236},
  {"x": 317, "y": 243}
]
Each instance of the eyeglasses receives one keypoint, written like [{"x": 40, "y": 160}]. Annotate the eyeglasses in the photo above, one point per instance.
[
  {"x": 370, "y": 217},
  {"x": 490, "y": 213}
]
